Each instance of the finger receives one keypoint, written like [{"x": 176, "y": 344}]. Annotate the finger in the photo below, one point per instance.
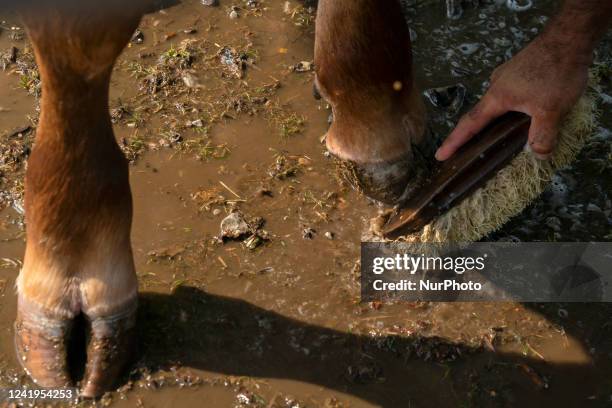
[
  {"x": 496, "y": 73},
  {"x": 543, "y": 134},
  {"x": 470, "y": 124}
]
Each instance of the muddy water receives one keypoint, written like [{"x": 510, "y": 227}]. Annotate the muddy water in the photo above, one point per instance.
[{"x": 281, "y": 325}]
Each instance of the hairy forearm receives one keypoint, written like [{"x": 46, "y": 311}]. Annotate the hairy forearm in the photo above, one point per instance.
[{"x": 578, "y": 27}]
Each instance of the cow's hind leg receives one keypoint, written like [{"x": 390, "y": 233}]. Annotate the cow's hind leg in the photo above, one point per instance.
[
  {"x": 363, "y": 66},
  {"x": 78, "y": 203}
]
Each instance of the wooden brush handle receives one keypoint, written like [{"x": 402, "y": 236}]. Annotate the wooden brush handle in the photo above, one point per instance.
[{"x": 469, "y": 168}]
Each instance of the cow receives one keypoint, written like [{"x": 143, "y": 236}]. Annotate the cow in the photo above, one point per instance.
[
  {"x": 78, "y": 258},
  {"x": 78, "y": 205}
]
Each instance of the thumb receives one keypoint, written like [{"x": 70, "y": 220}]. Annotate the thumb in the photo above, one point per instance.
[{"x": 543, "y": 135}]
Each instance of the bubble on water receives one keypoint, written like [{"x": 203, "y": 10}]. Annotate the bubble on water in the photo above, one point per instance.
[
  {"x": 491, "y": 25},
  {"x": 469, "y": 48},
  {"x": 558, "y": 191},
  {"x": 516, "y": 5},
  {"x": 502, "y": 42}
]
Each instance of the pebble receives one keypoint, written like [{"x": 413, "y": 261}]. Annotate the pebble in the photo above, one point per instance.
[
  {"x": 197, "y": 123},
  {"x": 234, "y": 226},
  {"x": 138, "y": 37},
  {"x": 190, "y": 80},
  {"x": 308, "y": 233},
  {"x": 303, "y": 66}
]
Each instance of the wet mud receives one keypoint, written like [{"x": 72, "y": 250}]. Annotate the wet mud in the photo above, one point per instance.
[{"x": 214, "y": 108}]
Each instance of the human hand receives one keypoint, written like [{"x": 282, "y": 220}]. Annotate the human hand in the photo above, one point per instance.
[{"x": 544, "y": 81}]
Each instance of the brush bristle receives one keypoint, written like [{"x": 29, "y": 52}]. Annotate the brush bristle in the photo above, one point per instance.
[{"x": 515, "y": 186}]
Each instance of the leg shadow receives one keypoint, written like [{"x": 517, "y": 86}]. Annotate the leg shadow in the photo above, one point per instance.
[{"x": 233, "y": 337}]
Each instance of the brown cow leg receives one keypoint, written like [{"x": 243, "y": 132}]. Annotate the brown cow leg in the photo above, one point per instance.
[
  {"x": 364, "y": 69},
  {"x": 78, "y": 202}
]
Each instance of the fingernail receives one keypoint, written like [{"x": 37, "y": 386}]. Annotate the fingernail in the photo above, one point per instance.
[{"x": 538, "y": 156}]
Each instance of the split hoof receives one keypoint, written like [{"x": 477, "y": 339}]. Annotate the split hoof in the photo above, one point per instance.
[
  {"x": 45, "y": 347},
  {"x": 109, "y": 351},
  {"x": 385, "y": 182},
  {"x": 41, "y": 346}
]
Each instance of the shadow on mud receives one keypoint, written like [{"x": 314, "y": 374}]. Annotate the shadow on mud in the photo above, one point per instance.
[{"x": 214, "y": 333}]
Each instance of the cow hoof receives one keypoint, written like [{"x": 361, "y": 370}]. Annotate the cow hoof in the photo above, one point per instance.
[
  {"x": 45, "y": 345},
  {"x": 386, "y": 182},
  {"x": 41, "y": 346},
  {"x": 111, "y": 345}
]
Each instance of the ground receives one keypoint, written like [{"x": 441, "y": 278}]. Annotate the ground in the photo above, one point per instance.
[{"x": 216, "y": 113}]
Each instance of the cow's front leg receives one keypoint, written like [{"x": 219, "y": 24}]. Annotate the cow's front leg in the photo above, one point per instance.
[
  {"x": 364, "y": 69},
  {"x": 78, "y": 203}
]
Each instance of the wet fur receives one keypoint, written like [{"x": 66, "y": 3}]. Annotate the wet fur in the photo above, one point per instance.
[{"x": 77, "y": 194}]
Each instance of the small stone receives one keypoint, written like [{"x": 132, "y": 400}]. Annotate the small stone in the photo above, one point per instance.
[
  {"x": 308, "y": 233},
  {"x": 233, "y": 226},
  {"x": 329, "y": 235},
  {"x": 303, "y": 66},
  {"x": 190, "y": 80},
  {"x": 216, "y": 211},
  {"x": 263, "y": 191},
  {"x": 287, "y": 8},
  {"x": 252, "y": 242},
  {"x": 137, "y": 37},
  {"x": 210, "y": 3},
  {"x": 234, "y": 14}
]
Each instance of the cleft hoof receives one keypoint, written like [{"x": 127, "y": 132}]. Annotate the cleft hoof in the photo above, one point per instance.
[
  {"x": 384, "y": 182},
  {"x": 49, "y": 347},
  {"x": 41, "y": 346},
  {"x": 389, "y": 182},
  {"x": 110, "y": 348}
]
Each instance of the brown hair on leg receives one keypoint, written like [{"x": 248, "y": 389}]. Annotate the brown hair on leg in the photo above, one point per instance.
[
  {"x": 77, "y": 196},
  {"x": 363, "y": 62}
]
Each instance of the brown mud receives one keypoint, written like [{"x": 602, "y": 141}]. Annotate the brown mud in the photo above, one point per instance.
[{"x": 216, "y": 114}]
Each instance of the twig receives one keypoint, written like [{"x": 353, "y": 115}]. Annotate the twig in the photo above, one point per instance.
[{"x": 230, "y": 190}]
